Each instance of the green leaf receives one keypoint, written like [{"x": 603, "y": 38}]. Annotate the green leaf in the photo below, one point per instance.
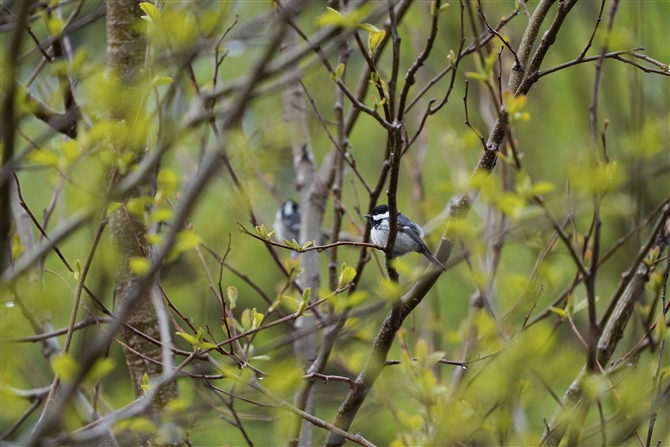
[
  {"x": 434, "y": 358},
  {"x": 581, "y": 305},
  {"x": 451, "y": 56},
  {"x": 137, "y": 205},
  {"x": 100, "y": 369},
  {"x": 356, "y": 298},
  {"x": 77, "y": 270},
  {"x": 661, "y": 330},
  {"x": 256, "y": 318},
  {"x": 152, "y": 13},
  {"x": 139, "y": 266},
  {"x": 347, "y": 21},
  {"x": 374, "y": 39},
  {"x": 55, "y": 26},
  {"x": 332, "y": 17},
  {"x": 167, "y": 181},
  {"x": 346, "y": 276},
  {"x": 369, "y": 28},
  {"x": 43, "y": 157},
  {"x": 339, "y": 71},
  {"x": 187, "y": 240},
  {"x": 207, "y": 345},
  {"x": 17, "y": 246},
  {"x": 162, "y": 215},
  {"x": 161, "y": 80},
  {"x": 65, "y": 366},
  {"x": 231, "y": 294},
  {"x": 294, "y": 245},
  {"x": 145, "y": 382},
  {"x": 189, "y": 338},
  {"x": 600, "y": 179},
  {"x": 142, "y": 425},
  {"x": 112, "y": 207},
  {"x": 558, "y": 311},
  {"x": 153, "y": 239},
  {"x": 541, "y": 188},
  {"x": 245, "y": 320},
  {"x": 304, "y": 300},
  {"x": 476, "y": 76},
  {"x": 390, "y": 290},
  {"x": 262, "y": 232},
  {"x": 421, "y": 352},
  {"x": 70, "y": 150}
]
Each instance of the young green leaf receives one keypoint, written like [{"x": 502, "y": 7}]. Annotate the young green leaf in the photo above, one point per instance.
[
  {"x": 167, "y": 181},
  {"x": 145, "y": 382},
  {"x": 558, "y": 311},
  {"x": 245, "y": 320},
  {"x": 346, "y": 276},
  {"x": 262, "y": 232},
  {"x": 187, "y": 240},
  {"x": 231, "y": 293},
  {"x": 65, "y": 366},
  {"x": 100, "y": 369},
  {"x": 339, "y": 71},
  {"x": 77, "y": 270},
  {"x": 304, "y": 300},
  {"x": 189, "y": 338},
  {"x": 256, "y": 318},
  {"x": 158, "y": 81},
  {"x": 152, "y": 13},
  {"x": 139, "y": 266},
  {"x": 369, "y": 28},
  {"x": 374, "y": 39}
]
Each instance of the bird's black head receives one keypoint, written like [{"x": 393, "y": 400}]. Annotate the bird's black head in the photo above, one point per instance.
[
  {"x": 289, "y": 208},
  {"x": 379, "y": 212}
]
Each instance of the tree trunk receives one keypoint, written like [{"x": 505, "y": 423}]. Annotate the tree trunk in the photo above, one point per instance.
[{"x": 126, "y": 48}]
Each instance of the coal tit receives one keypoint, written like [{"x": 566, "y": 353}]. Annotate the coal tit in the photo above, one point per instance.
[
  {"x": 409, "y": 235},
  {"x": 287, "y": 221}
]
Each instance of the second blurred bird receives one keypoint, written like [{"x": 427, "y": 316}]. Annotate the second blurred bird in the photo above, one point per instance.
[{"x": 287, "y": 222}]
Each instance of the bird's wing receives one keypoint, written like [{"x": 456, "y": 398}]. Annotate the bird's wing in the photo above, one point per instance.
[
  {"x": 424, "y": 250},
  {"x": 293, "y": 221},
  {"x": 411, "y": 232}
]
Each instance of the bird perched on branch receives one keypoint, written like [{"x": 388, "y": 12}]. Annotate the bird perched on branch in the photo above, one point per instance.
[
  {"x": 409, "y": 236},
  {"x": 287, "y": 221}
]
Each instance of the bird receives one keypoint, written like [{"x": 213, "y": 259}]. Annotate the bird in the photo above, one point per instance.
[
  {"x": 287, "y": 221},
  {"x": 409, "y": 236}
]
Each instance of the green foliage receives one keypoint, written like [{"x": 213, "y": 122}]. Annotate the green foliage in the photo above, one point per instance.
[
  {"x": 347, "y": 275},
  {"x": 197, "y": 342},
  {"x": 347, "y": 20},
  {"x": 512, "y": 267}
]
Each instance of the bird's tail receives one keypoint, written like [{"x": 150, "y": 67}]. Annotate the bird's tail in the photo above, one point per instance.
[{"x": 434, "y": 260}]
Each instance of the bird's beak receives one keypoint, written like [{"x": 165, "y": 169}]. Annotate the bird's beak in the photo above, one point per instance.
[{"x": 368, "y": 216}]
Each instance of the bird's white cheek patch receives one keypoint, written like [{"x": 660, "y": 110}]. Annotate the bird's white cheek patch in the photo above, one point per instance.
[{"x": 381, "y": 216}]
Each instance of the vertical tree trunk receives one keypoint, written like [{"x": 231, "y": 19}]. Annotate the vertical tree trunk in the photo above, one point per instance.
[{"x": 126, "y": 48}]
